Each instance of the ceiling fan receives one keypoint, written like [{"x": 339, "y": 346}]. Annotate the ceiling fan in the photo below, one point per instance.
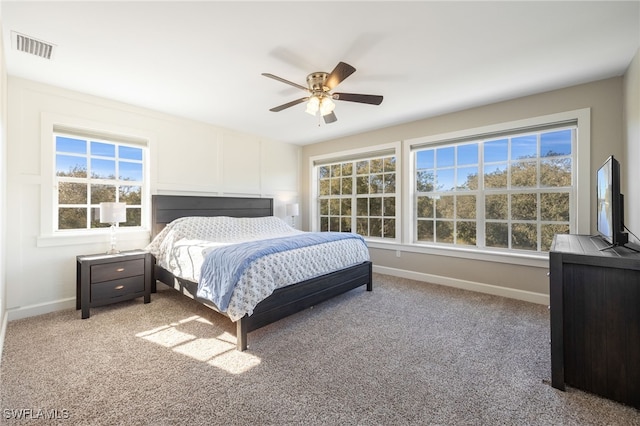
[{"x": 319, "y": 96}]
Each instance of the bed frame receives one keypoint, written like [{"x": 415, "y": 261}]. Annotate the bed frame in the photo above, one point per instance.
[{"x": 284, "y": 301}]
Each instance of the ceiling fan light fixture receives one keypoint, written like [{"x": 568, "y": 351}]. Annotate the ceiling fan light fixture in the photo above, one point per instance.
[
  {"x": 313, "y": 105},
  {"x": 327, "y": 106}
]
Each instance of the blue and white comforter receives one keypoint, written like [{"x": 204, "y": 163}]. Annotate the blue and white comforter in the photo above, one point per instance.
[{"x": 274, "y": 255}]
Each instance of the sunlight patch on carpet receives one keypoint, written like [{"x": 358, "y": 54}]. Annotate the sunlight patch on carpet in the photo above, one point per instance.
[{"x": 191, "y": 337}]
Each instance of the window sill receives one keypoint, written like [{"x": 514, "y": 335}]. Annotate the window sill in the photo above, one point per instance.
[
  {"x": 93, "y": 237},
  {"x": 514, "y": 258}
]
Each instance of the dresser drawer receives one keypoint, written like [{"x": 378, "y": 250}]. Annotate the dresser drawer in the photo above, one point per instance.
[
  {"x": 117, "y": 270},
  {"x": 117, "y": 288}
]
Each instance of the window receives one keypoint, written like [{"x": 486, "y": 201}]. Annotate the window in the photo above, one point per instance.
[
  {"x": 508, "y": 191},
  {"x": 89, "y": 171},
  {"x": 358, "y": 195}
]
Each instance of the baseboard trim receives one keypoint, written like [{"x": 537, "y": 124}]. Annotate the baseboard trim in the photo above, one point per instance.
[
  {"x": 39, "y": 309},
  {"x": 3, "y": 333},
  {"x": 511, "y": 293},
  {"x": 527, "y": 296}
]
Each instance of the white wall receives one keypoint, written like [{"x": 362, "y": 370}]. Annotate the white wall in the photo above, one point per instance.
[
  {"x": 186, "y": 157},
  {"x": 632, "y": 145},
  {"x": 3, "y": 191}
]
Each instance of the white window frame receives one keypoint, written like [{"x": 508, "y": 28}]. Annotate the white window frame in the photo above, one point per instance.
[
  {"x": 89, "y": 181},
  {"x": 582, "y": 191},
  {"x": 481, "y": 191},
  {"x": 51, "y": 124},
  {"x": 389, "y": 149}
]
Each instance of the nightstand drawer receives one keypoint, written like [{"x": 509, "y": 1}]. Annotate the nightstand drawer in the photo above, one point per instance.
[
  {"x": 117, "y": 270},
  {"x": 117, "y": 288}
]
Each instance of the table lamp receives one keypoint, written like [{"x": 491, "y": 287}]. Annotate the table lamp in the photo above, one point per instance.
[
  {"x": 113, "y": 213},
  {"x": 292, "y": 210}
]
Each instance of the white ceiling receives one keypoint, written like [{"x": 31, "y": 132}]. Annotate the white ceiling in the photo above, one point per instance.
[{"x": 203, "y": 60}]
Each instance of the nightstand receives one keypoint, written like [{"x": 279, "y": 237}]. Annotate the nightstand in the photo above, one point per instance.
[{"x": 102, "y": 279}]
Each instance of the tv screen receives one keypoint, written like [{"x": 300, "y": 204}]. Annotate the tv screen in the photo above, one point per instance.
[{"x": 610, "y": 223}]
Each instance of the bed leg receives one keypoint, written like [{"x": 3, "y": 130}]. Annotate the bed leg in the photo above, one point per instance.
[
  {"x": 241, "y": 333},
  {"x": 370, "y": 282}
]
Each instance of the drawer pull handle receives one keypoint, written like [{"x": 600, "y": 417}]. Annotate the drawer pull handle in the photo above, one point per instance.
[
  {"x": 120, "y": 287},
  {"x": 119, "y": 269}
]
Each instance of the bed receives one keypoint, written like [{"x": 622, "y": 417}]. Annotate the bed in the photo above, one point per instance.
[{"x": 168, "y": 211}]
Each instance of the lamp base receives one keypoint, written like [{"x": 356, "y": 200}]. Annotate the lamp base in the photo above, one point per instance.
[{"x": 113, "y": 249}]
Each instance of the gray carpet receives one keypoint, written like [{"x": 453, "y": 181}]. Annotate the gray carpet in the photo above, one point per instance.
[{"x": 407, "y": 353}]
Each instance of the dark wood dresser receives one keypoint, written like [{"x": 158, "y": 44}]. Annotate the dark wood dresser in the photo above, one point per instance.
[
  {"x": 595, "y": 317},
  {"x": 102, "y": 279}
]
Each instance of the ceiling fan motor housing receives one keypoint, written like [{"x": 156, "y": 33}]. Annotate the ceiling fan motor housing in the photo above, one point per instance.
[{"x": 316, "y": 81}]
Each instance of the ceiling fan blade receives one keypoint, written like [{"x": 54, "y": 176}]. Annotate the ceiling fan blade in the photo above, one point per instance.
[
  {"x": 275, "y": 77},
  {"x": 355, "y": 97},
  {"x": 330, "y": 118},
  {"x": 289, "y": 104},
  {"x": 339, "y": 73}
]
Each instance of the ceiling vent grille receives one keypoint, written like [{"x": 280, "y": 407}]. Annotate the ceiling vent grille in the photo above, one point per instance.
[{"x": 24, "y": 43}]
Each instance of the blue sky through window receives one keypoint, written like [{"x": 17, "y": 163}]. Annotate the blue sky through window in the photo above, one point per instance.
[
  {"x": 468, "y": 154},
  {"x": 445, "y": 179},
  {"x": 524, "y": 147},
  {"x": 68, "y": 163},
  {"x": 103, "y": 169},
  {"x": 424, "y": 159},
  {"x": 130, "y": 171},
  {"x": 71, "y": 145},
  {"x": 452, "y": 166},
  {"x": 556, "y": 143},
  {"x": 130, "y": 153},
  {"x": 445, "y": 157},
  {"x": 495, "y": 151},
  {"x": 72, "y": 154},
  {"x": 103, "y": 149}
]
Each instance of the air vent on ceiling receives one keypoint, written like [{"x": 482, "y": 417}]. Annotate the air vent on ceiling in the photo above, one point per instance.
[{"x": 28, "y": 44}]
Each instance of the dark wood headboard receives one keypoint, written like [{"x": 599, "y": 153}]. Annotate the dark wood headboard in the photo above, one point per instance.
[{"x": 165, "y": 208}]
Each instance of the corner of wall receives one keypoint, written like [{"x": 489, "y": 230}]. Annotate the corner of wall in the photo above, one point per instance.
[
  {"x": 3, "y": 191},
  {"x": 631, "y": 112}
]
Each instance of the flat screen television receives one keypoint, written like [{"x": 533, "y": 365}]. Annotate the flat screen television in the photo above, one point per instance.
[{"x": 610, "y": 213}]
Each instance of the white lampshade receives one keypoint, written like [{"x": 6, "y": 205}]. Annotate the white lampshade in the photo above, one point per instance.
[
  {"x": 327, "y": 106},
  {"x": 113, "y": 212},
  {"x": 292, "y": 210},
  {"x": 313, "y": 105}
]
